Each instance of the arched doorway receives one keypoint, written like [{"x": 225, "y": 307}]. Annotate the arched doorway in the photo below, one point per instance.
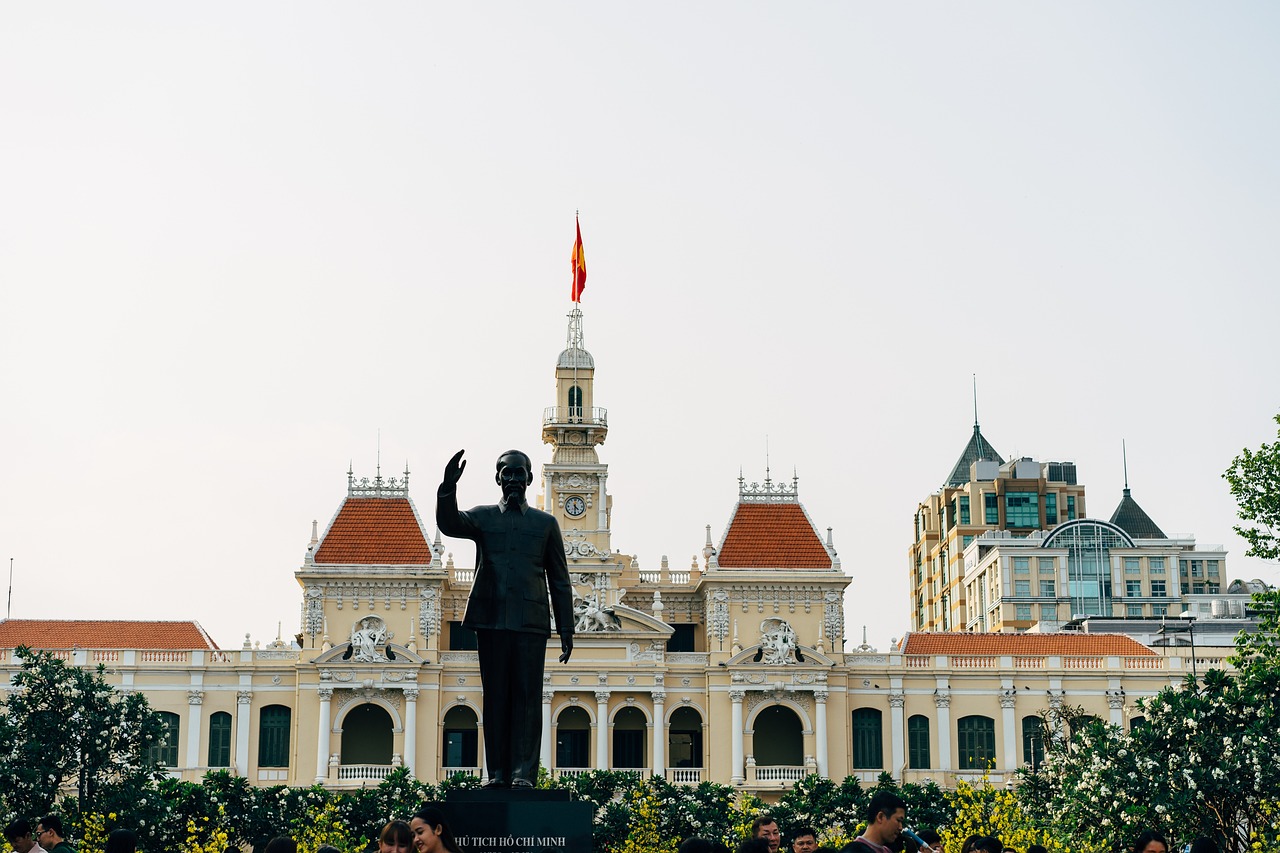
[
  {"x": 684, "y": 748},
  {"x": 628, "y": 739},
  {"x": 779, "y": 737},
  {"x": 573, "y": 738},
  {"x": 461, "y": 739},
  {"x": 367, "y": 736}
]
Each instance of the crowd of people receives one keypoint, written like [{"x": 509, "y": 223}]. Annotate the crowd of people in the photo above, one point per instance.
[
  {"x": 887, "y": 832},
  {"x": 428, "y": 832}
]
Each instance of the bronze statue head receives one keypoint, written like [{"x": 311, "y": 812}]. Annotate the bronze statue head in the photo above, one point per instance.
[{"x": 515, "y": 474}]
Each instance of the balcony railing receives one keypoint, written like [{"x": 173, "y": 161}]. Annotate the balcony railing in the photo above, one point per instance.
[
  {"x": 778, "y": 773},
  {"x": 364, "y": 772},
  {"x": 686, "y": 775},
  {"x": 566, "y": 772},
  {"x": 595, "y": 416}
]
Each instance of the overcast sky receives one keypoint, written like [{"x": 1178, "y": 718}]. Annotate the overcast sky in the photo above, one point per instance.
[{"x": 238, "y": 241}]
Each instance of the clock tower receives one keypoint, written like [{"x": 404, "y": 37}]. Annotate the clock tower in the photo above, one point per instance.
[{"x": 574, "y": 481}]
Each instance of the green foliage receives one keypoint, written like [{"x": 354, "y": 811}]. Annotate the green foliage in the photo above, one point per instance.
[
  {"x": 1254, "y": 477},
  {"x": 66, "y": 725},
  {"x": 1206, "y": 763}
]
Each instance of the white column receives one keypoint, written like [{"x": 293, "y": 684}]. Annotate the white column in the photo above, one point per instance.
[
  {"x": 194, "y": 700},
  {"x": 897, "y": 732},
  {"x": 820, "y": 732},
  {"x": 602, "y": 508},
  {"x": 659, "y": 733},
  {"x": 602, "y": 729},
  {"x": 322, "y": 734},
  {"x": 547, "y": 739},
  {"x": 411, "y": 729},
  {"x": 737, "y": 776},
  {"x": 1008, "y": 699},
  {"x": 243, "y": 700},
  {"x": 943, "y": 702}
]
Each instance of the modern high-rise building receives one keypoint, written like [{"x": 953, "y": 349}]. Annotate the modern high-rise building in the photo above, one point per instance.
[{"x": 1008, "y": 546}]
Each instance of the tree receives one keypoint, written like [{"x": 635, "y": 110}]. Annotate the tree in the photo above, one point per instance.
[
  {"x": 1207, "y": 762},
  {"x": 1254, "y": 477},
  {"x": 64, "y": 725}
]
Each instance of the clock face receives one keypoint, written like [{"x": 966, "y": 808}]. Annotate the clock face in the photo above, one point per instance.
[{"x": 575, "y": 506}]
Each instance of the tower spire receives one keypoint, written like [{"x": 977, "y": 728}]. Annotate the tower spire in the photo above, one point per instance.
[
  {"x": 975, "y": 402},
  {"x": 1124, "y": 456}
]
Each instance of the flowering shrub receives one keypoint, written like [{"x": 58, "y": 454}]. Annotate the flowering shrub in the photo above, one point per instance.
[{"x": 986, "y": 810}]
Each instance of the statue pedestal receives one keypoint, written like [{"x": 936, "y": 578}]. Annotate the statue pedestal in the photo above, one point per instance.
[{"x": 505, "y": 820}]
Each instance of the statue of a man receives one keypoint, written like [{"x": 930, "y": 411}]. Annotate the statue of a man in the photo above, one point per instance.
[{"x": 519, "y": 559}]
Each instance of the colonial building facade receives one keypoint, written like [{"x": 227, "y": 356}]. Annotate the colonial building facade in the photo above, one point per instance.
[{"x": 733, "y": 669}]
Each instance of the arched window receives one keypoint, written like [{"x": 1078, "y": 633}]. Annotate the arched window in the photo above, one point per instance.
[
  {"x": 918, "y": 742},
  {"x": 274, "y": 722},
  {"x": 779, "y": 737},
  {"x": 573, "y": 738},
  {"x": 575, "y": 404},
  {"x": 976, "y": 736},
  {"x": 1137, "y": 723},
  {"x": 628, "y": 739},
  {"x": 165, "y": 752},
  {"x": 461, "y": 738},
  {"x": 220, "y": 739},
  {"x": 685, "y": 738},
  {"x": 868, "y": 739},
  {"x": 1033, "y": 741}
]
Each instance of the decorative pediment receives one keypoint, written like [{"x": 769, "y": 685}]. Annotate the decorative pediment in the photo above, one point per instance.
[
  {"x": 754, "y": 656},
  {"x": 393, "y": 653}
]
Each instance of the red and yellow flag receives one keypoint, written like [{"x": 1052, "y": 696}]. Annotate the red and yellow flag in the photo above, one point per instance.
[{"x": 578, "y": 262}]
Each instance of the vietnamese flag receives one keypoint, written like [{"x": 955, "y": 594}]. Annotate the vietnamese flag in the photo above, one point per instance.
[{"x": 578, "y": 263}]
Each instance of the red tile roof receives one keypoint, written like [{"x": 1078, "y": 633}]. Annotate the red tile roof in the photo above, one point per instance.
[
  {"x": 375, "y": 531},
  {"x": 955, "y": 643},
  {"x": 772, "y": 536},
  {"x": 102, "y": 634}
]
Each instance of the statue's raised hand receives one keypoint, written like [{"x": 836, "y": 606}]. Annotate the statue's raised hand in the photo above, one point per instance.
[{"x": 453, "y": 471}]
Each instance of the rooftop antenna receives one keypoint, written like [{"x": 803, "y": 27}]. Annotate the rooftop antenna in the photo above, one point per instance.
[
  {"x": 378, "y": 472},
  {"x": 975, "y": 401},
  {"x": 9, "y": 606},
  {"x": 767, "y": 481},
  {"x": 1124, "y": 455}
]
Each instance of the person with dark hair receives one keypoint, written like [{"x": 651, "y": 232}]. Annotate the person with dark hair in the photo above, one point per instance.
[
  {"x": 969, "y": 843},
  {"x": 521, "y": 577},
  {"x": 18, "y": 834},
  {"x": 988, "y": 844},
  {"x": 49, "y": 834},
  {"x": 282, "y": 844},
  {"x": 804, "y": 839},
  {"x": 1204, "y": 844},
  {"x": 328, "y": 849},
  {"x": 1150, "y": 842},
  {"x": 753, "y": 845},
  {"x": 431, "y": 831},
  {"x": 121, "y": 841},
  {"x": 933, "y": 840},
  {"x": 886, "y": 815},
  {"x": 1037, "y": 848},
  {"x": 766, "y": 827},
  {"x": 395, "y": 837}
]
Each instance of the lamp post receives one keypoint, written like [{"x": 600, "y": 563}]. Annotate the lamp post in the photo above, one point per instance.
[{"x": 1190, "y": 630}]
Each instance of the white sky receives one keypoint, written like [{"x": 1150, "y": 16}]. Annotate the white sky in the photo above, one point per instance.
[{"x": 239, "y": 239}]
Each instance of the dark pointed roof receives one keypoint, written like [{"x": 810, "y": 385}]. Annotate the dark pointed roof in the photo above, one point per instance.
[
  {"x": 1132, "y": 519},
  {"x": 977, "y": 448}
]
